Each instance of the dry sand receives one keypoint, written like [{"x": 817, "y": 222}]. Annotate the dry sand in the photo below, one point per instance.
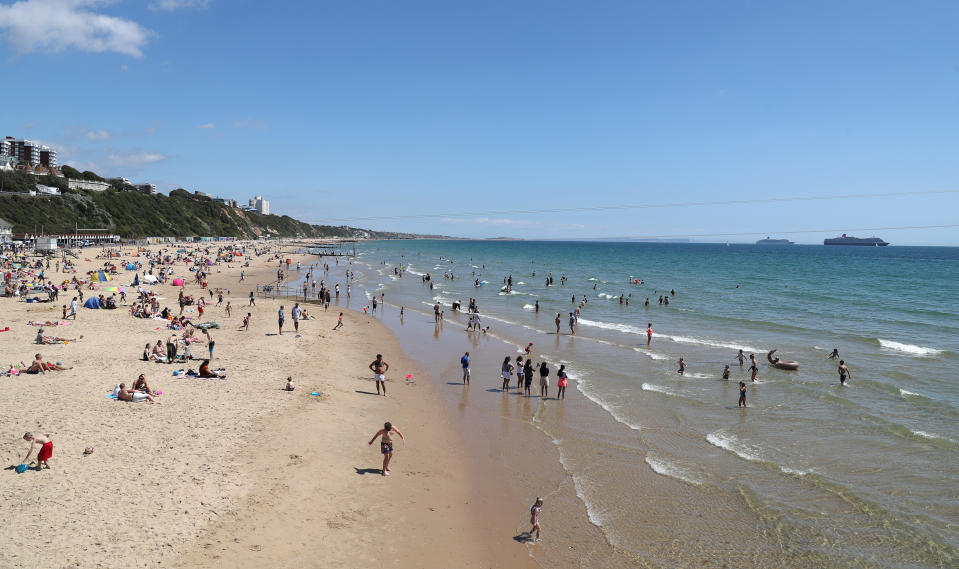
[{"x": 235, "y": 472}]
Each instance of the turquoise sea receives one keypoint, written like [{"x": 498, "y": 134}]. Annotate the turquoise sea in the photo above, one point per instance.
[{"x": 811, "y": 474}]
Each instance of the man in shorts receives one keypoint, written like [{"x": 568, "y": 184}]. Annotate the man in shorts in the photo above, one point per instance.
[
  {"x": 465, "y": 362},
  {"x": 386, "y": 444},
  {"x": 379, "y": 369}
]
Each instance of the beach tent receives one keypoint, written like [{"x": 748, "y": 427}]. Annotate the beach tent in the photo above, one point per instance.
[
  {"x": 101, "y": 277},
  {"x": 177, "y": 282},
  {"x": 92, "y": 302},
  {"x": 149, "y": 278},
  {"x": 131, "y": 267},
  {"x": 136, "y": 279}
]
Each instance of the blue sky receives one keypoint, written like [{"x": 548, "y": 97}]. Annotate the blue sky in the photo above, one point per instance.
[{"x": 478, "y": 116}]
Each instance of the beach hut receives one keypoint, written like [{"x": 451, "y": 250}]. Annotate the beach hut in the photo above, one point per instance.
[
  {"x": 131, "y": 267},
  {"x": 100, "y": 277}
]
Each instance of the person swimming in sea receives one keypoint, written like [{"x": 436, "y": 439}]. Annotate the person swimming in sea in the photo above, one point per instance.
[
  {"x": 834, "y": 354},
  {"x": 843, "y": 372}
]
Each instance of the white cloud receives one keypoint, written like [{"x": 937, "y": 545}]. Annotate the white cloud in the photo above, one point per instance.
[
  {"x": 135, "y": 159},
  {"x": 256, "y": 124},
  {"x": 58, "y": 25},
  {"x": 173, "y": 5},
  {"x": 207, "y": 126},
  {"x": 98, "y": 135}
]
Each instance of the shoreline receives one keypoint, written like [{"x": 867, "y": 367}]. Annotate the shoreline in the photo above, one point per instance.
[{"x": 235, "y": 452}]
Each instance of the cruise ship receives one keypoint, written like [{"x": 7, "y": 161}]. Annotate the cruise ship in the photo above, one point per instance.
[
  {"x": 769, "y": 241},
  {"x": 861, "y": 241}
]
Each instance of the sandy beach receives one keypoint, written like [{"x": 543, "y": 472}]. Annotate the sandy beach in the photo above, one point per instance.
[{"x": 234, "y": 472}]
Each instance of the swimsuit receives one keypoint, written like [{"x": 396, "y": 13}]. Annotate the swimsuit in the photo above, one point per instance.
[
  {"x": 386, "y": 447},
  {"x": 379, "y": 377}
]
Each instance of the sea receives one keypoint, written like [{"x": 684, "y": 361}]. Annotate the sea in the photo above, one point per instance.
[{"x": 669, "y": 470}]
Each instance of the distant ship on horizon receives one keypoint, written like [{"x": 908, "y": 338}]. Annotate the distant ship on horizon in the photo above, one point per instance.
[
  {"x": 860, "y": 241},
  {"x": 770, "y": 241}
]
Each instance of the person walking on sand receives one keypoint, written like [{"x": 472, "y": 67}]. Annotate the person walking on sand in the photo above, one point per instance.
[
  {"x": 534, "y": 513},
  {"x": 252, "y": 299},
  {"x": 465, "y": 362},
  {"x": 742, "y": 394},
  {"x": 386, "y": 444},
  {"x": 379, "y": 369},
  {"x": 339, "y": 322},
  {"x": 561, "y": 382},
  {"x": 210, "y": 344},
  {"x": 280, "y": 318},
  {"x": 843, "y": 372},
  {"x": 296, "y": 316},
  {"x": 45, "y": 452}
]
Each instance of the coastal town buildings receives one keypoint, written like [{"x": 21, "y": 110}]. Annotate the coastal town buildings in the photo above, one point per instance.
[
  {"x": 147, "y": 188},
  {"x": 91, "y": 185},
  {"x": 259, "y": 205},
  {"x": 29, "y": 152},
  {"x": 6, "y": 232}
]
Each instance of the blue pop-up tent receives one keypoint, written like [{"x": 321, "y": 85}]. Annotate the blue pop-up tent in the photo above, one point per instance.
[
  {"x": 93, "y": 302},
  {"x": 131, "y": 267}
]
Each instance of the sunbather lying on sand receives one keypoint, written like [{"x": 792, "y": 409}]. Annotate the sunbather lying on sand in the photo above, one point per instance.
[
  {"x": 40, "y": 366},
  {"x": 41, "y": 339},
  {"x": 128, "y": 394}
]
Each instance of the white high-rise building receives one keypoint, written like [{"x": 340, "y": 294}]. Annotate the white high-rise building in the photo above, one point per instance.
[
  {"x": 260, "y": 205},
  {"x": 29, "y": 152}
]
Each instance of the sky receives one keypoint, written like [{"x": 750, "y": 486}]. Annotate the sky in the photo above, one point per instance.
[{"x": 531, "y": 119}]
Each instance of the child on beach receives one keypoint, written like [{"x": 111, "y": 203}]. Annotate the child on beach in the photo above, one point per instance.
[
  {"x": 726, "y": 372},
  {"x": 289, "y": 384},
  {"x": 507, "y": 372},
  {"x": 228, "y": 309},
  {"x": 386, "y": 444},
  {"x": 534, "y": 513},
  {"x": 246, "y": 322},
  {"x": 339, "y": 322},
  {"x": 561, "y": 382},
  {"x": 742, "y": 393},
  {"x": 46, "y": 448}
]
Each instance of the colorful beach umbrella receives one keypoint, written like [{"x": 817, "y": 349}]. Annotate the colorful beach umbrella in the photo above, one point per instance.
[{"x": 116, "y": 289}]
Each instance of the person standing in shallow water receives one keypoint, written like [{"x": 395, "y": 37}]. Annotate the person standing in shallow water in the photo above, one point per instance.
[
  {"x": 559, "y": 322},
  {"x": 742, "y": 394},
  {"x": 843, "y": 372},
  {"x": 649, "y": 333}
]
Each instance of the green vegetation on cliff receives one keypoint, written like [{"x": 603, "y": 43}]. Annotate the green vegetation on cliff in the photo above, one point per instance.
[{"x": 133, "y": 214}]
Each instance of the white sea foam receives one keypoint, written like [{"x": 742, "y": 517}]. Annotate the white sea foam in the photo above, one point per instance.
[
  {"x": 928, "y": 435},
  {"x": 698, "y": 375},
  {"x": 412, "y": 272},
  {"x": 650, "y": 354},
  {"x": 672, "y": 470},
  {"x": 658, "y": 389},
  {"x": 908, "y": 348},
  {"x": 581, "y": 386},
  {"x": 907, "y": 393},
  {"x": 742, "y": 449},
  {"x": 629, "y": 329},
  {"x": 591, "y": 513},
  {"x": 529, "y": 307},
  {"x": 731, "y": 443}
]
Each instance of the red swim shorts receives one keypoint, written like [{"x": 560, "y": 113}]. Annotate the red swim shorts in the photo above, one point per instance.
[{"x": 46, "y": 451}]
